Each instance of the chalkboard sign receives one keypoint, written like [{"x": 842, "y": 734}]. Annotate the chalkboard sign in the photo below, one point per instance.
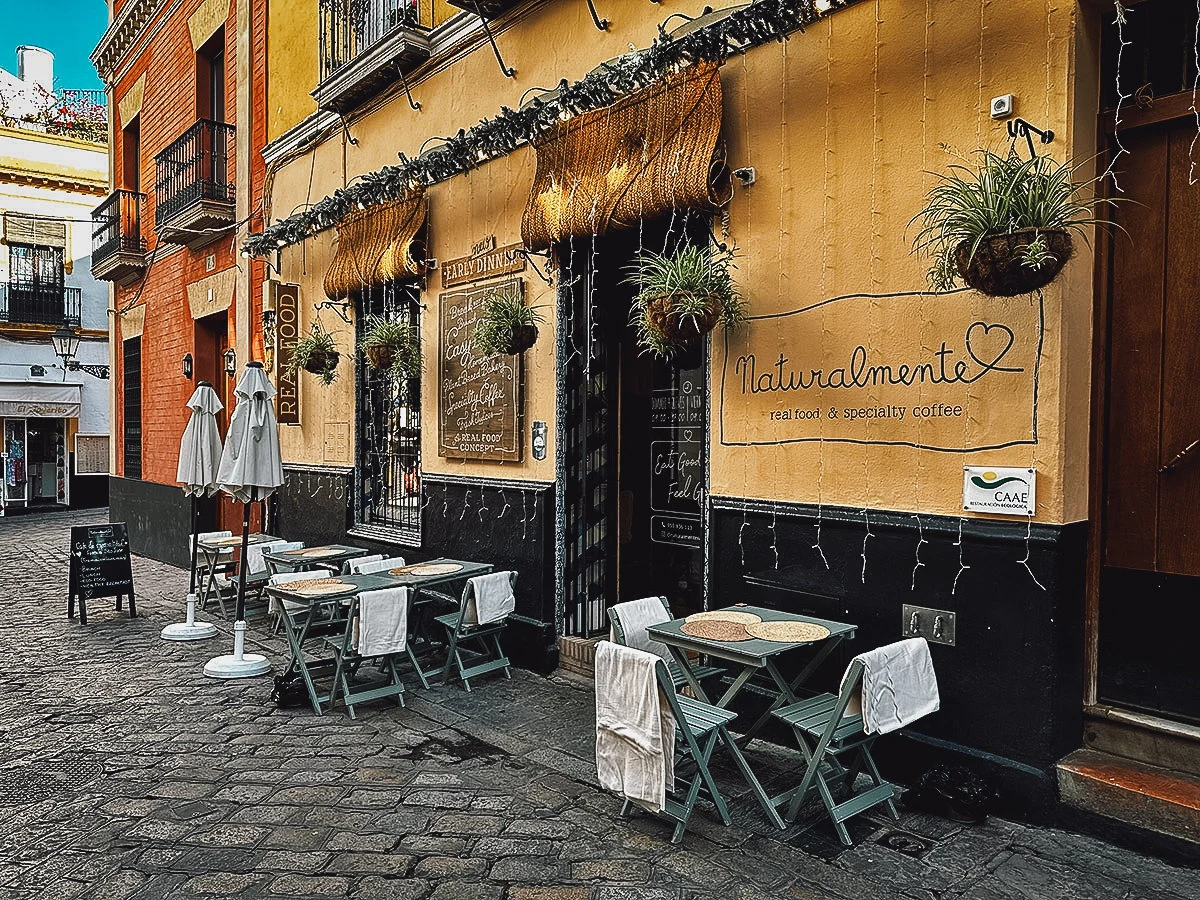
[
  {"x": 677, "y": 457},
  {"x": 479, "y": 413},
  {"x": 100, "y": 567}
]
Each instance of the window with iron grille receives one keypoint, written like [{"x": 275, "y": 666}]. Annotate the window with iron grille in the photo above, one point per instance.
[
  {"x": 389, "y": 424},
  {"x": 131, "y": 405}
]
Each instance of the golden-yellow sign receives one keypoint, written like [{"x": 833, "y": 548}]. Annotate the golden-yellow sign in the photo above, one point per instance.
[{"x": 940, "y": 371}]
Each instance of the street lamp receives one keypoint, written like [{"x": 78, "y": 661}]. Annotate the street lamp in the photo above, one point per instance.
[{"x": 66, "y": 342}]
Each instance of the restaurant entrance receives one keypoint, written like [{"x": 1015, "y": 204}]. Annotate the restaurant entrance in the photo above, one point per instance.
[{"x": 634, "y": 439}]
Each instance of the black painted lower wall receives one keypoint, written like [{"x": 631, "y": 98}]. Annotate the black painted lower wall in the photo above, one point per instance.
[
  {"x": 158, "y": 518},
  {"x": 87, "y": 491},
  {"x": 1011, "y": 689},
  {"x": 461, "y": 518}
]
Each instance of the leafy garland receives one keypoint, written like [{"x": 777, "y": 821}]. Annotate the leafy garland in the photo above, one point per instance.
[{"x": 759, "y": 23}]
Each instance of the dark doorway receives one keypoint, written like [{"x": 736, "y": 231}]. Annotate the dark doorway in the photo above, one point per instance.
[
  {"x": 634, "y": 439},
  {"x": 1147, "y": 489},
  {"x": 211, "y": 342},
  {"x": 210, "y": 78}
]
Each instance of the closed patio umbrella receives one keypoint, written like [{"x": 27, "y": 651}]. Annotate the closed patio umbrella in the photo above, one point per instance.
[
  {"x": 199, "y": 456},
  {"x": 251, "y": 470}
]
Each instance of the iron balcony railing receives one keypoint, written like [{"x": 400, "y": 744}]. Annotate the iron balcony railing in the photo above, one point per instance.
[
  {"x": 118, "y": 226},
  {"x": 40, "y": 303},
  {"x": 349, "y": 28},
  {"x": 197, "y": 166}
]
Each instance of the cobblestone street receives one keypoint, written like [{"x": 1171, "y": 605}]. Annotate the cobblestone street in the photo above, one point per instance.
[{"x": 125, "y": 773}]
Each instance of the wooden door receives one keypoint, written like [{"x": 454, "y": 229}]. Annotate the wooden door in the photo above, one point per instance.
[{"x": 1150, "y": 502}]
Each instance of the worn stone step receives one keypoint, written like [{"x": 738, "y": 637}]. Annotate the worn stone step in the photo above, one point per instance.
[{"x": 1156, "y": 799}]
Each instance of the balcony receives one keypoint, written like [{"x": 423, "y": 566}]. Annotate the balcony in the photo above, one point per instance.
[
  {"x": 365, "y": 45},
  {"x": 193, "y": 186},
  {"x": 118, "y": 248},
  {"x": 39, "y": 303}
]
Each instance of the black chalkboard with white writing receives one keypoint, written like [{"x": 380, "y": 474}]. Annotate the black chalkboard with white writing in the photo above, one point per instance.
[{"x": 100, "y": 567}]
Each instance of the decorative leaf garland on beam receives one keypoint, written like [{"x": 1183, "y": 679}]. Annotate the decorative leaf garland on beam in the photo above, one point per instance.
[{"x": 756, "y": 24}]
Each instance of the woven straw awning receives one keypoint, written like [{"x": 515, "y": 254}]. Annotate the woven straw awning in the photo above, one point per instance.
[
  {"x": 375, "y": 246},
  {"x": 645, "y": 155}
]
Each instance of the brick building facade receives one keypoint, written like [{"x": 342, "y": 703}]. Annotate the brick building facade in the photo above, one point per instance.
[{"x": 187, "y": 124}]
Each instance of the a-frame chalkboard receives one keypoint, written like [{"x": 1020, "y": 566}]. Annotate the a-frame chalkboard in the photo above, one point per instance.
[{"x": 100, "y": 567}]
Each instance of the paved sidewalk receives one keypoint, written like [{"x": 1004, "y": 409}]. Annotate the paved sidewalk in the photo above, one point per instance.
[{"x": 125, "y": 773}]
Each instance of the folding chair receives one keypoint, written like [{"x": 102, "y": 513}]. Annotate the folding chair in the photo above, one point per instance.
[
  {"x": 349, "y": 660},
  {"x": 369, "y": 565},
  {"x": 825, "y": 733},
  {"x": 487, "y": 655},
  {"x": 349, "y": 566},
  {"x": 208, "y": 564},
  {"x": 635, "y": 635},
  {"x": 303, "y": 623}
]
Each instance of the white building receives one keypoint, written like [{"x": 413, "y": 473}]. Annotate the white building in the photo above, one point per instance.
[{"x": 54, "y": 412}]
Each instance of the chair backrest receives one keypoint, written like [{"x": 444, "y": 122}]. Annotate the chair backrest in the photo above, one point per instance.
[
  {"x": 256, "y": 565},
  {"x": 354, "y": 566},
  {"x": 469, "y": 598},
  {"x": 285, "y": 577},
  {"x": 631, "y": 619},
  {"x": 208, "y": 535},
  {"x": 370, "y": 566}
]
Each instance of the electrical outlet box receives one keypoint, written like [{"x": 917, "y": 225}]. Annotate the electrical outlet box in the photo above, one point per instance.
[
  {"x": 938, "y": 626},
  {"x": 1001, "y": 107}
]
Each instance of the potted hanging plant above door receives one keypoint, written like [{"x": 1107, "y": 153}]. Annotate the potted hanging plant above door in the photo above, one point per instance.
[
  {"x": 315, "y": 352},
  {"x": 392, "y": 347},
  {"x": 506, "y": 324},
  {"x": 1005, "y": 227},
  {"x": 681, "y": 297}
]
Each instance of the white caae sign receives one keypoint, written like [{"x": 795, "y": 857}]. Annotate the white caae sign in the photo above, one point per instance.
[{"x": 1006, "y": 491}]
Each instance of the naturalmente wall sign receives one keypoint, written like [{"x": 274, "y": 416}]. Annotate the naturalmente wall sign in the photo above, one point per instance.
[{"x": 939, "y": 371}]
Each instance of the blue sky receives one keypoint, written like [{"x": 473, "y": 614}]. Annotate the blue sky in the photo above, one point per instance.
[{"x": 68, "y": 28}]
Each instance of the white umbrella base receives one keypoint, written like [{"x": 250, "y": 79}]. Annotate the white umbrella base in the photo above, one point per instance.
[
  {"x": 248, "y": 665},
  {"x": 238, "y": 664},
  {"x": 182, "y": 631}
]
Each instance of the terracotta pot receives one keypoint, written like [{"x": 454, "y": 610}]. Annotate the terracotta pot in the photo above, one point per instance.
[
  {"x": 661, "y": 314},
  {"x": 997, "y": 269},
  {"x": 522, "y": 338},
  {"x": 380, "y": 356},
  {"x": 320, "y": 363}
]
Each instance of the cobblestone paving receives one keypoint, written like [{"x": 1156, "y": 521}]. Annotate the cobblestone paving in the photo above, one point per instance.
[{"x": 124, "y": 773}]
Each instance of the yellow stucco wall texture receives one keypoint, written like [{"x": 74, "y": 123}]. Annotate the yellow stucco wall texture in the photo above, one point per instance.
[{"x": 841, "y": 124}]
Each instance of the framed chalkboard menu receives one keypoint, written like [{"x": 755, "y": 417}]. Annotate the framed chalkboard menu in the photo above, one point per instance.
[
  {"x": 479, "y": 409},
  {"x": 100, "y": 567}
]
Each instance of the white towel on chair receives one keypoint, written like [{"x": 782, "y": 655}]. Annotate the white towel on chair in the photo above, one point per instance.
[
  {"x": 255, "y": 564},
  {"x": 636, "y": 617},
  {"x": 382, "y": 621},
  {"x": 491, "y": 599},
  {"x": 898, "y": 685},
  {"x": 635, "y": 732}
]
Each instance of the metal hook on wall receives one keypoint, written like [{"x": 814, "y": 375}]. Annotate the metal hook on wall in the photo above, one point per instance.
[
  {"x": 341, "y": 308},
  {"x": 411, "y": 102},
  {"x": 1019, "y": 128},
  {"x": 527, "y": 255},
  {"x": 601, "y": 24},
  {"x": 509, "y": 71}
]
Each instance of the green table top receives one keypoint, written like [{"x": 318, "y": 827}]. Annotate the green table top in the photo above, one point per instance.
[
  {"x": 381, "y": 580},
  {"x": 755, "y": 651}
]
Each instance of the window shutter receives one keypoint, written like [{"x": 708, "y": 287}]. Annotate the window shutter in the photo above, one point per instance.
[{"x": 22, "y": 229}]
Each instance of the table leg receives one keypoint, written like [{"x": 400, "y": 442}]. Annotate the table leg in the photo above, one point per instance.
[
  {"x": 787, "y": 690},
  {"x": 752, "y": 780},
  {"x": 680, "y": 657},
  {"x": 734, "y": 689}
]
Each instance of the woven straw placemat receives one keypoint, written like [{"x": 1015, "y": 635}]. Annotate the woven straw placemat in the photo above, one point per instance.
[
  {"x": 716, "y": 630},
  {"x": 788, "y": 632},
  {"x": 724, "y": 615},
  {"x": 426, "y": 569},
  {"x": 316, "y": 586},
  {"x": 225, "y": 541},
  {"x": 320, "y": 551}
]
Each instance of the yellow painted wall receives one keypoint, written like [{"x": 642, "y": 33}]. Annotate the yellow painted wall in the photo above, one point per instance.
[
  {"x": 293, "y": 65},
  {"x": 840, "y": 123}
]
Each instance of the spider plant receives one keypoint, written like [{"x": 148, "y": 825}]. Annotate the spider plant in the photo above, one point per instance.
[
  {"x": 315, "y": 352},
  {"x": 681, "y": 297},
  {"x": 1003, "y": 195},
  {"x": 506, "y": 324},
  {"x": 392, "y": 346}
]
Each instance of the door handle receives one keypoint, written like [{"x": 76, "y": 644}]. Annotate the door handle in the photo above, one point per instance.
[{"x": 1178, "y": 457}]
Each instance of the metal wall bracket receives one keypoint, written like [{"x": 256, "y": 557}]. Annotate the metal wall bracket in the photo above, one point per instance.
[
  {"x": 938, "y": 626},
  {"x": 340, "y": 307},
  {"x": 407, "y": 93},
  {"x": 509, "y": 71},
  {"x": 1019, "y": 128},
  {"x": 601, "y": 24}
]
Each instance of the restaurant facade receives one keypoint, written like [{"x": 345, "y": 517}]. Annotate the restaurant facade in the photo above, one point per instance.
[{"x": 1007, "y": 475}]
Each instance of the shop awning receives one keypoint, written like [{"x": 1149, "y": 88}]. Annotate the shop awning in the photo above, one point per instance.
[
  {"x": 375, "y": 246},
  {"x": 645, "y": 155},
  {"x": 38, "y": 400}
]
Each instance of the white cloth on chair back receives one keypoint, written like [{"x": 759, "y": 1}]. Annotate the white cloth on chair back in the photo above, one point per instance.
[
  {"x": 382, "y": 621},
  {"x": 635, "y": 731},
  {"x": 354, "y": 566},
  {"x": 285, "y": 577},
  {"x": 898, "y": 685},
  {"x": 379, "y": 564},
  {"x": 490, "y": 599},
  {"x": 636, "y": 616},
  {"x": 255, "y": 564},
  {"x": 209, "y": 535}
]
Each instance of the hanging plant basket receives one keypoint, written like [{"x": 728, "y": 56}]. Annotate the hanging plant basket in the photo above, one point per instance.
[
  {"x": 1001, "y": 267},
  {"x": 506, "y": 324},
  {"x": 322, "y": 362},
  {"x": 682, "y": 297},
  {"x": 522, "y": 338},
  {"x": 392, "y": 347},
  {"x": 315, "y": 352},
  {"x": 380, "y": 357}
]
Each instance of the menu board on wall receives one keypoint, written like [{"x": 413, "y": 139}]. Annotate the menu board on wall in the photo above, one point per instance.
[
  {"x": 479, "y": 397},
  {"x": 677, "y": 456}
]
